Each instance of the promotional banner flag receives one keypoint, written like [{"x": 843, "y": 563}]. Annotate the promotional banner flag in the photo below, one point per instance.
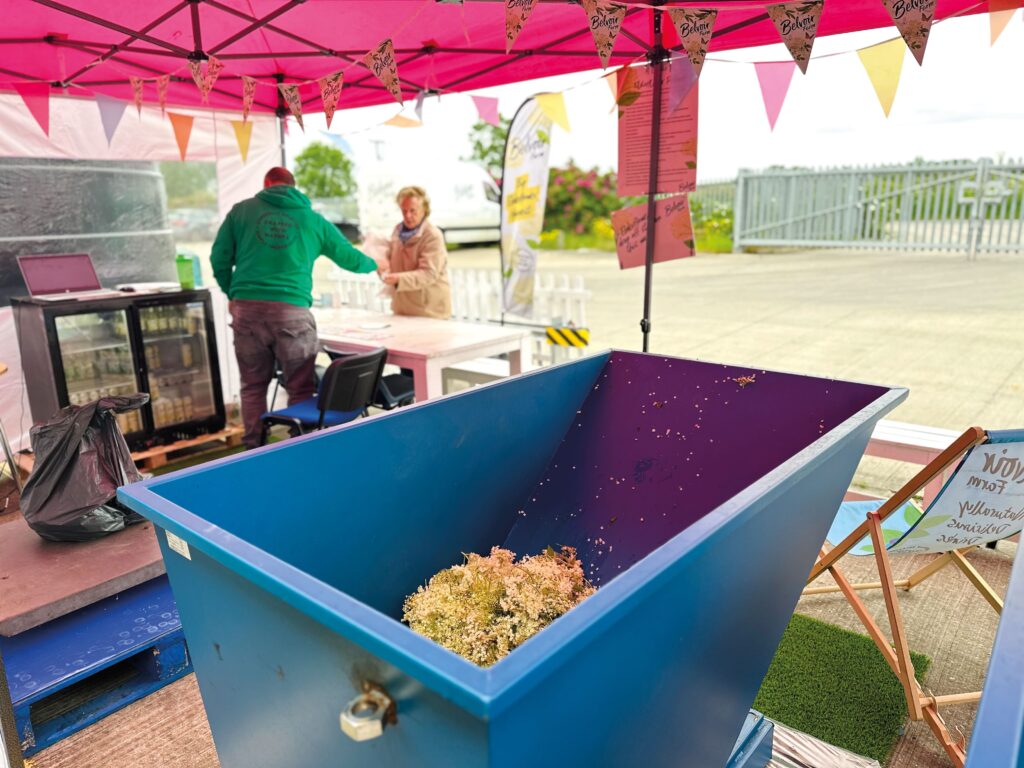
[
  {"x": 673, "y": 232},
  {"x": 487, "y": 109},
  {"x": 516, "y": 14},
  {"x": 797, "y": 24},
  {"x": 883, "y": 63},
  {"x": 330, "y": 92},
  {"x": 774, "y": 78},
  {"x": 401, "y": 121},
  {"x": 683, "y": 78},
  {"x": 161, "y": 92},
  {"x": 381, "y": 61},
  {"x": 999, "y": 14},
  {"x": 914, "y": 21},
  {"x": 605, "y": 21},
  {"x": 694, "y": 26},
  {"x": 248, "y": 94},
  {"x": 553, "y": 105},
  {"x": 293, "y": 100},
  {"x": 205, "y": 80},
  {"x": 243, "y": 133},
  {"x": 137, "y": 83},
  {"x": 37, "y": 98},
  {"x": 111, "y": 112},
  {"x": 182, "y": 125},
  {"x": 524, "y": 182}
]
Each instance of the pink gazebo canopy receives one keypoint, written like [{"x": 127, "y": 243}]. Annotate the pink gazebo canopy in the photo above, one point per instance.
[{"x": 95, "y": 45}]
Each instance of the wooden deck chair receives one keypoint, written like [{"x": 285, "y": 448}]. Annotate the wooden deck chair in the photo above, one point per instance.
[{"x": 981, "y": 501}]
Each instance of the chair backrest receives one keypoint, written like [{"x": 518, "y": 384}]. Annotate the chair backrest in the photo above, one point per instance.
[{"x": 350, "y": 382}]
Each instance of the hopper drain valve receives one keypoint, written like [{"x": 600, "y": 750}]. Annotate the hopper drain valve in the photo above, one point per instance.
[{"x": 365, "y": 716}]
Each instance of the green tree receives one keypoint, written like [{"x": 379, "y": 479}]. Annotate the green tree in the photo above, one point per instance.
[
  {"x": 190, "y": 185},
  {"x": 324, "y": 171},
  {"x": 488, "y": 145}
]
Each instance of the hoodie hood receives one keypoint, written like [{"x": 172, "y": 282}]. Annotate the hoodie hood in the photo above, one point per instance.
[{"x": 283, "y": 196}]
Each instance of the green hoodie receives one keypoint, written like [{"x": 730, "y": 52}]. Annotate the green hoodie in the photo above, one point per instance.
[{"x": 266, "y": 247}]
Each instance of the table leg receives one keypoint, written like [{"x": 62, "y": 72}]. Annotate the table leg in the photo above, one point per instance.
[
  {"x": 427, "y": 380},
  {"x": 521, "y": 359}
]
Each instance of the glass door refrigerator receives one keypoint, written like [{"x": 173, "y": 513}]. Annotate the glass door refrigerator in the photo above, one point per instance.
[{"x": 74, "y": 352}]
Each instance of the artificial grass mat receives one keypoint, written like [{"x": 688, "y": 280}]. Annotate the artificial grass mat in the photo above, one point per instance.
[{"x": 835, "y": 685}]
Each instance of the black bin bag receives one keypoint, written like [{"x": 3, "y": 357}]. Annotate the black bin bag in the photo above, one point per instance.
[{"x": 81, "y": 460}]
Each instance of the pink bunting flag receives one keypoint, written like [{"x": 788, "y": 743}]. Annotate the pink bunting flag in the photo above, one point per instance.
[
  {"x": 516, "y": 14},
  {"x": 248, "y": 94},
  {"x": 137, "y": 83},
  {"x": 797, "y": 24},
  {"x": 487, "y": 109},
  {"x": 381, "y": 61},
  {"x": 774, "y": 78},
  {"x": 37, "y": 98},
  {"x": 683, "y": 77},
  {"x": 161, "y": 92},
  {"x": 205, "y": 80},
  {"x": 694, "y": 26},
  {"x": 294, "y": 101},
  {"x": 111, "y": 112},
  {"x": 330, "y": 92},
  {"x": 913, "y": 18},
  {"x": 605, "y": 22}
]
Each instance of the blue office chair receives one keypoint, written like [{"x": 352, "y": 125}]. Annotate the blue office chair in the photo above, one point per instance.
[{"x": 346, "y": 390}]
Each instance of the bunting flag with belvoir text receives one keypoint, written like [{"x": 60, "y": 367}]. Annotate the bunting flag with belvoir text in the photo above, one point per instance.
[
  {"x": 694, "y": 26},
  {"x": 516, "y": 14},
  {"x": 205, "y": 80},
  {"x": 914, "y": 21},
  {"x": 797, "y": 24},
  {"x": 137, "y": 83},
  {"x": 161, "y": 92},
  {"x": 524, "y": 193},
  {"x": 605, "y": 21},
  {"x": 292, "y": 98},
  {"x": 381, "y": 61},
  {"x": 330, "y": 92},
  {"x": 248, "y": 94}
]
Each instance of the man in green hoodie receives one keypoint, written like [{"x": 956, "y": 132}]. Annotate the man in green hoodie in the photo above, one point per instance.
[{"x": 263, "y": 259}]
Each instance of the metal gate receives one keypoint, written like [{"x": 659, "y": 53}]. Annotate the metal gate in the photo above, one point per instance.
[{"x": 969, "y": 207}]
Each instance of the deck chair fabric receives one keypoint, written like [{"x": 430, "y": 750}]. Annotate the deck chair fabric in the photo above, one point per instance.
[{"x": 981, "y": 501}]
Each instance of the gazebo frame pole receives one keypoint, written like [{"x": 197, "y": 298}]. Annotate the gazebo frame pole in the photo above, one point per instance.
[
  {"x": 281, "y": 112},
  {"x": 656, "y": 57}
]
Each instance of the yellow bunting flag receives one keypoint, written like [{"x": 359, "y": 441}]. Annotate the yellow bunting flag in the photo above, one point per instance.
[
  {"x": 182, "y": 125},
  {"x": 553, "y": 107},
  {"x": 883, "y": 63},
  {"x": 243, "y": 132},
  {"x": 999, "y": 13},
  {"x": 400, "y": 121}
]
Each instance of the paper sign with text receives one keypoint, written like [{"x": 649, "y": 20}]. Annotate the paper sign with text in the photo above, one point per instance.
[{"x": 673, "y": 232}]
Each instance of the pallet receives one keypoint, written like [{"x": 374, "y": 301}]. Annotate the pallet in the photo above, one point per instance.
[{"x": 70, "y": 672}]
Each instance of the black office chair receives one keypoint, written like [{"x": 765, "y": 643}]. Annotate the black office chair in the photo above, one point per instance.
[
  {"x": 394, "y": 390},
  {"x": 346, "y": 390}
]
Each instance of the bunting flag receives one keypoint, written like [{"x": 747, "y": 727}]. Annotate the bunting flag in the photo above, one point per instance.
[
  {"x": 137, "y": 83},
  {"x": 330, "y": 92},
  {"x": 243, "y": 132},
  {"x": 182, "y": 125},
  {"x": 605, "y": 22},
  {"x": 381, "y": 61},
  {"x": 293, "y": 100},
  {"x": 694, "y": 26},
  {"x": 774, "y": 78},
  {"x": 914, "y": 21},
  {"x": 683, "y": 77},
  {"x": 797, "y": 24},
  {"x": 516, "y": 14},
  {"x": 999, "y": 13},
  {"x": 248, "y": 94},
  {"x": 161, "y": 92},
  {"x": 883, "y": 63},
  {"x": 418, "y": 109},
  {"x": 37, "y": 98},
  {"x": 401, "y": 121},
  {"x": 205, "y": 80},
  {"x": 553, "y": 107},
  {"x": 612, "y": 78},
  {"x": 487, "y": 109},
  {"x": 111, "y": 112}
]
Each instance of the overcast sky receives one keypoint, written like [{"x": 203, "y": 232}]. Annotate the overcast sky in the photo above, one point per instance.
[{"x": 967, "y": 101}]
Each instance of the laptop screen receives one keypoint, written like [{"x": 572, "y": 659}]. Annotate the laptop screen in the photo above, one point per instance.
[{"x": 50, "y": 273}]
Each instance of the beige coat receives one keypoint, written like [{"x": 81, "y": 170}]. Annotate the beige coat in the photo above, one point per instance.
[{"x": 421, "y": 265}]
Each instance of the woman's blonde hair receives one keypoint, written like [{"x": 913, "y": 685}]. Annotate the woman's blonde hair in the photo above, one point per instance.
[{"x": 419, "y": 192}]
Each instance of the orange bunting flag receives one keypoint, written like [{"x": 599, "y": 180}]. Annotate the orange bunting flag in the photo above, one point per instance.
[
  {"x": 516, "y": 14},
  {"x": 205, "y": 80},
  {"x": 294, "y": 101},
  {"x": 330, "y": 92},
  {"x": 243, "y": 132},
  {"x": 248, "y": 94},
  {"x": 797, "y": 24},
  {"x": 161, "y": 91},
  {"x": 999, "y": 13},
  {"x": 694, "y": 26},
  {"x": 182, "y": 125},
  {"x": 401, "y": 121},
  {"x": 605, "y": 22},
  {"x": 137, "y": 83},
  {"x": 913, "y": 18},
  {"x": 381, "y": 61}
]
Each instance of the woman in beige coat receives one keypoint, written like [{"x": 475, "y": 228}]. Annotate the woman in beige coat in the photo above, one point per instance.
[{"x": 418, "y": 261}]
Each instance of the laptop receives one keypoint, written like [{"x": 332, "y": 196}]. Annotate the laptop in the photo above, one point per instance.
[{"x": 62, "y": 277}]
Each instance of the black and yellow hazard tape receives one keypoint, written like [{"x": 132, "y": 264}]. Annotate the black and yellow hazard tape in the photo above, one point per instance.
[{"x": 568, "y": 337}]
